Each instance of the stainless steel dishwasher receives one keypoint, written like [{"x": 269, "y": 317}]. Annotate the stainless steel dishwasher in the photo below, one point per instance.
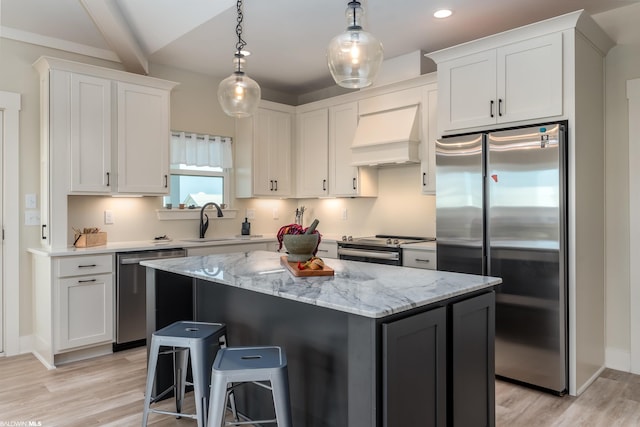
[{"x": 131, "y": 295}]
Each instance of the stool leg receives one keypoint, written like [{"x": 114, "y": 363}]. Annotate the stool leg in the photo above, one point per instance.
[
  {"x": 200, "y": 381},
  {"x": 218, "y": 401},
  {"x": 180, "y": 363},
  {"x": 281, "y": 403},
  {"x": 151, "y": 373}
]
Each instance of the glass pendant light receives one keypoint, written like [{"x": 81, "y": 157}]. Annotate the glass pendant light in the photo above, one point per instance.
[
  {"x": 354, "y": 56},
  {"x": 238, "y": 94}
]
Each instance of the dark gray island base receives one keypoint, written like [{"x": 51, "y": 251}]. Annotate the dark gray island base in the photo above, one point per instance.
[{"x": 372, "y": 346}]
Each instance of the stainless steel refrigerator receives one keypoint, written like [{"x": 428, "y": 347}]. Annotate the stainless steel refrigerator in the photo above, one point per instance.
[{"x": 501, "y": 211}]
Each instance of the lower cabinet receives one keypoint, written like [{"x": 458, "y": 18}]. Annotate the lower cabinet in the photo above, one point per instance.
[
  {"x": 224, "y": 249},
  {"x": 438, "y": 366},
  {"x": 83, "y": 301},
  {"x": 419, "y": 258},
  {"x": 415, "y": 370},
  {"x": 328, "y": 249},
  {"x": 85, "y": 311}
]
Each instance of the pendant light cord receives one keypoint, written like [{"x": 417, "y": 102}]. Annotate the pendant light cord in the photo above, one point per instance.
[{"x": 240, "y": 45}]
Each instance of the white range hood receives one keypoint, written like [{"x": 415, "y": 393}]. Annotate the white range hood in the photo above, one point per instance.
[{"x": 387, "y": 137}]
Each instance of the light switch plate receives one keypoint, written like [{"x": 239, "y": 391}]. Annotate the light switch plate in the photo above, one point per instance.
[
  {"x": 108, "y": 217},
  {"x": 251, "y": 214},
  {"x": 31, "y": 217},
  {"x": 30, "y": 201},
  {"x": 275, "y": 213}
]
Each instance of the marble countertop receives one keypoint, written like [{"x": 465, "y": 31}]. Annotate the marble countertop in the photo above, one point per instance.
[
  {"x": 370, "y": 290},
  {"x": 144, "y": 245},
  {"x": 422, "y": 246}
]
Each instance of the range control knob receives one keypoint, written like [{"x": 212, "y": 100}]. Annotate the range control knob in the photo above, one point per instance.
[
  {"x": 388, "y": 241},
  {"x": 350, "y": 238},
  {"x": 396, "y": 241},
  {"x": 344, "y": 238}
]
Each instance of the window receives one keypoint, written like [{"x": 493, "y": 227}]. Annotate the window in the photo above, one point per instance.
[
  {"x": 197, "y": 185},
  {"x": 200, "y": 167}
]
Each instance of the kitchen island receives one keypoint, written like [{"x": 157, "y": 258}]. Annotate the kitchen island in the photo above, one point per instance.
[{"x": 373, "y": 345}]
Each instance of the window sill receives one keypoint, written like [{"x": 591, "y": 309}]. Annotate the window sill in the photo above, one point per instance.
[{"x": 179, "y": 214}]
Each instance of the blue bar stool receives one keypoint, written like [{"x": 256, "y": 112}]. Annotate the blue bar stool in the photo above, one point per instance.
[
  {"x": 235, "y": 366},
  {"x": 197, "y": 340}
]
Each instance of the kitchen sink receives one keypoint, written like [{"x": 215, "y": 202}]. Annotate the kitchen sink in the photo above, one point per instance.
[{"x": 206, "y": 239}]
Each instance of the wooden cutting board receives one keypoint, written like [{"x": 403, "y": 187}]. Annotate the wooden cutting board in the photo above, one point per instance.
[{"x": 293, "y": 268}]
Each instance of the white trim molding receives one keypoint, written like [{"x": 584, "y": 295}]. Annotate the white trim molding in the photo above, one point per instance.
[
  {"x": 10, "y": 104},
  {"x": 633, "y": 94}
]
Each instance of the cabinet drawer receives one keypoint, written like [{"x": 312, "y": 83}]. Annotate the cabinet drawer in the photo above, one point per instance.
[
  {"x": 328, "y": 250},
  {"x": 419, "y": 259},
  {"x": 81, "y": 265}
]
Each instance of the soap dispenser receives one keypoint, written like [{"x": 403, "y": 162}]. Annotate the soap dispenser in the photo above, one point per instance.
[{"x": 246, "y": 228}]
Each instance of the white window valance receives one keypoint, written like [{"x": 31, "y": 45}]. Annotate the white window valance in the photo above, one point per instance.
[{"x": 194, "y": 149}]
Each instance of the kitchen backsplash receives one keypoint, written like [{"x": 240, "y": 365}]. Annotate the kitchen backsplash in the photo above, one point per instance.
[{"x": 400, "y": 209}]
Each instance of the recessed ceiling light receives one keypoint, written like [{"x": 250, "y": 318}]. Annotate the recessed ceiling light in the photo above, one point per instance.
[{"x": 442, "y": 13}]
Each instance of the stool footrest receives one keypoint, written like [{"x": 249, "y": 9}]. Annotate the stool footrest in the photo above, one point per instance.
[
  {"x": 241, "y": 423},
  {"x": 175, "y": 414}
]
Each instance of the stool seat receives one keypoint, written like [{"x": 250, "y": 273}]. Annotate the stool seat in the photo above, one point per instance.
[
  {"x": 250, "y": 365},
  {"x": 196, "y": 340}
]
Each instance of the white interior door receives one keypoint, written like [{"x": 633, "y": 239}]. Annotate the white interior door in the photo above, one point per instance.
[{"x": 633, "y": 94}]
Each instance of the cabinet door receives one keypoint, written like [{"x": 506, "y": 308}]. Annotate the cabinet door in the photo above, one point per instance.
[
  {"x": 530, "y": 79},
  {"x": 419, "y": 259},
  {"x": 415, "y": 370},
  {"x": 429, "y": 137},
  {"x": 84, "y": 311},
  {"x": 143, "y": 139},
  {"x": 473, "y": 362},
  {"x": 312, "y": 147},
  {"x": 90, "y": 134},
  {"x": 280, "y": 153},
  {"x": 467, "y": 89},
  {"x": 271, "y": 167}
]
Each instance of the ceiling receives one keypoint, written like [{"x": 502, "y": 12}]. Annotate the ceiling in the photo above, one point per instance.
[{"x": 287, "y": 38}]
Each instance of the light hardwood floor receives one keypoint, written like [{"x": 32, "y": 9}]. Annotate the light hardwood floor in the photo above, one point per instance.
[{"x": 108, "y": 391}]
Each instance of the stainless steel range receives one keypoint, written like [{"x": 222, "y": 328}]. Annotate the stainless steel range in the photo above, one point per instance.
[{"x": 380, "y": 249}]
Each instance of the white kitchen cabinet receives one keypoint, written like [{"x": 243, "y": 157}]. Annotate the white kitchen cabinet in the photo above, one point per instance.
[
  {"x": 346, "y": 180},
  {"x": 419, "y": 258},
  {"x": 328, "y": 249},
  {"x": 263, "y": 152},
  {"x": 429, "y": 137},
  {"x": 312, "y": 149},
  {"x": 225, "y": 249},
  {"x": 83, "y": 301},
  {"x": 73, "y": 306},
  {"x": 96, "y": 124},
  {"x": 90, "y": 132},
  {"x": 518, "y": 81},
  {"x": 143, "y": 139}
]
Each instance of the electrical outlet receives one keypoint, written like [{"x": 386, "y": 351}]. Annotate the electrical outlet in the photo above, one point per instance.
[
  {"x": 108, "y": 217},
  {"x": 251, "y": 214},
  {"x": 344, "y": 214},
  {"x": 275, "y": 213}
]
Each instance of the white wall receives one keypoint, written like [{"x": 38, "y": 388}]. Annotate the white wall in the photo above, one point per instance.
[{"x": 622, "y": 64}]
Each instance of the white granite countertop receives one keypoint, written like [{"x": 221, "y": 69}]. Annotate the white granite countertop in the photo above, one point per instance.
[
  {"x": 144, "y": 245},
  {"x": 370, "y": 290},
  {"x": 422, "y": 246}
]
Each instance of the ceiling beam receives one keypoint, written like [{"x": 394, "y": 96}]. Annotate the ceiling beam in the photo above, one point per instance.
[{"x": 110, "y": 22}]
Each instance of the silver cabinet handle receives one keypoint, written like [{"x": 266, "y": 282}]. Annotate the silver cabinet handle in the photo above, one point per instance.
[
  {"x": 354, "y": 184},
  {"x": 422, "y": 260},
  {"x": 491, "y": 108},
  {"x": 500, "y": 107},
  {"x": 87, "y": 281},
  {"x": 108, "y": 179},
  {"x": 276, "y": 182},
  {"x": 324, "y": 185},
  {"x": 88, "y": 266}
]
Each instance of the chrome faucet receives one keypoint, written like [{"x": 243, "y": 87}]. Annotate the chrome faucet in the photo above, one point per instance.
[{"x": 205, "y": 224}]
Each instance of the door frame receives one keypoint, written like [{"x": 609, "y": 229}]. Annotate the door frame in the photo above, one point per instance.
[
  {"x": 10, "y": 106},
  {"x": 633, "y": 95}
]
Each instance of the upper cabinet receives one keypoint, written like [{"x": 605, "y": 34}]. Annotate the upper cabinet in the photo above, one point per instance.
[
  {"x": 103, "y": 131},
  {"x": 143, "y": 129},
  {"x": 312, "y": 149},
  {"x": 263, "y": 158},
  {"x": 346, "y": 180},
  {"x": 429, "y": 137},
  {"x": 514, "y": 82}
]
